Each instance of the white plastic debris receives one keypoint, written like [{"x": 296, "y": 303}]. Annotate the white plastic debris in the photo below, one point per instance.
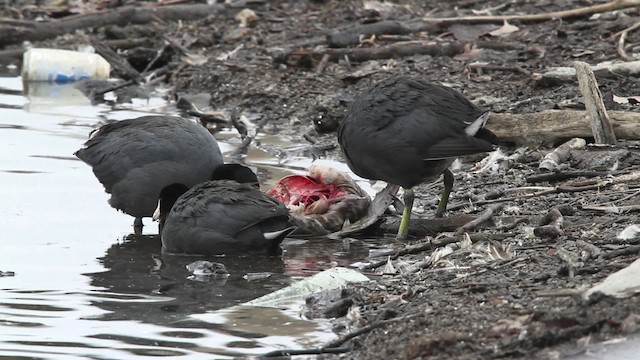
[
  {"x": 63, "y": 66},
  {"x": 630, "y": 232},
  {"x": 622, "y": 283},
  {"x": 328, "y": 279}
]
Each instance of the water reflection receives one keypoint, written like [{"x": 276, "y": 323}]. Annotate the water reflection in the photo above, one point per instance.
[{"x": 136, "y": 266}]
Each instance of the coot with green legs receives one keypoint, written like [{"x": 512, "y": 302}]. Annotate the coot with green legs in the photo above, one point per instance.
[
  {"x": 407, "y": 131},
  {"x": 136, "y": 158},
  {"x": 228, "y": 215}
]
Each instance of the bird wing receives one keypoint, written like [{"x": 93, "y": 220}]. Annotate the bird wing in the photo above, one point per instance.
[
  {"x": 232, "y": 207},
  {"x": 117, "y": 148}
]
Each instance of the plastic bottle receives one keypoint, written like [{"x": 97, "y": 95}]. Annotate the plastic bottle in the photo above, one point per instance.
[{"x": 62, "y": 66}]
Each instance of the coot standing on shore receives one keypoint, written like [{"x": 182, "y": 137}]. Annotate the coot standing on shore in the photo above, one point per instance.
[{"x": 407, "y": 131}]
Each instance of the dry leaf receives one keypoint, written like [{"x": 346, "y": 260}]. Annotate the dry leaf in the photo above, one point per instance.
[
  {"x": 635, "y": 100},
  {"x": 506, "y": 29},
  {"x": 388, "y": 267}
]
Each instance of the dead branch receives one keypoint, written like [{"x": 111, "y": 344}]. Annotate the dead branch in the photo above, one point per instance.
[
  {"x": 13, "y": 32},
  {"x": 485, "y": 216},
  {"x": 354, "y": 33},
  {"x": 598, "y": 117},
  {"x": 564, "y": 175},
  {"x": 432, "y": 244},
  {"x": 559, "y": 155},
  {"x": 401, "y": 49},
  {"x": 365, "y": 329},
  {"x": 629, "y": 250},
  {"x": 118, "y": 63},
  {"x": 564, "y": 14},
  {"x": 559, "y": 75},
  {"x": 247, "y": 134},
  {"x": 620, "y": 43},
  {"x": 616, "y": 209},
  {"x": 584, "y": 186},
  {"x": 286, "y": 353},
  {"x": 492, "y": 267},
  {"x": 554, "y": 126}
]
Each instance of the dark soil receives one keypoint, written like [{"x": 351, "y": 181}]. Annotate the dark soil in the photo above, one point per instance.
[{"x": 503, "y": 296}]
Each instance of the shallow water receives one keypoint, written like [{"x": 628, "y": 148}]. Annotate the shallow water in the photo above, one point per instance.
[{"x": 85, "y": 287}]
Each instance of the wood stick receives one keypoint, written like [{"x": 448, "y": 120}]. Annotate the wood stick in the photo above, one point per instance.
[
  {"x": 598, "y": 117},
  {"x": 118, "y": 63},
  {"x": 400, "y": 49},
  {"x": 551, "y": 127},
  {"x": 620, "y": 43},
  {"x": 13, "y": 32},
  {"x": 352, "y": 34},
  {"x": 558, "y": 75},
  {"x": 563, "y": 14},
  {"x": 593, "y": 185},
  {"x": 485, "y": 216},
  {"x": 552, "y": 160}
]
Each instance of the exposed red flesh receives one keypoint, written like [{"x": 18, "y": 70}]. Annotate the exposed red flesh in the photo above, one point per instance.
[{"x": 305, "y": 191}]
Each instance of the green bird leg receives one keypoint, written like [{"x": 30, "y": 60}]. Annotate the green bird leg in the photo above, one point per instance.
[
  {"x": 448, "y": 186},
  {"x": 403, "y": 230}
]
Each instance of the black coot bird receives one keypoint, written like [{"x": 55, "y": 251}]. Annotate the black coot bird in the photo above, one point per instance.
[
  {"x": 228, "y": 215},
  {"x": 406, "y": 131},
  {"x": 136, "y": 158}
]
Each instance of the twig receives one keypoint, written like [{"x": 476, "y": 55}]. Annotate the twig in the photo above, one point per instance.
[
  {"x": 629, "y": 250},
  {"x": 595, "y": 185},
  {"x": 559, "y": 155},
  {"x": 496, "y": 267},
  {"x": 417, "y": 248},
  {"x": 401, "y": 49},
  {"x": 99, "y": 93},
  {"x": 599, "y": 119},
  {"x": 323, "y": 64},
  {"x": 558, "y": 75},
  {"x": 480, "y": 66},
  {"x": 579, "y": 12},
  {"x": 120, "y": 64},
  {"x": 564, "y": 175},
  {"x": 242, "y": 149},
  {"x": 352, "y": 34},
  {"x": 365, "y": 329},
  {"x": 121, "y": 16},
  {"x": 620, "y": 43},
  {"x": 153, "y": 61},
  {"x": 318, "y": 351},
  {"x": 612, "y": 208},
  {"x": 485, "y": 216}
]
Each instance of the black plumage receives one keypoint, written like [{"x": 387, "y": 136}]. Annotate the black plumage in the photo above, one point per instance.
[
  {"x": 407, "y": 131},
  {"x": 224, "y": 217},
  {"x": 136, "y": 158}
]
